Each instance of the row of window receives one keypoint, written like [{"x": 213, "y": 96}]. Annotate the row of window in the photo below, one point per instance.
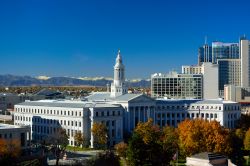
[
  {"x": 107, "y": 113},
  {"x": 49, "y": 121},
  {"x": 6, "y": 136},
  {"x": 188, "y": 115},
  {"x": 52, "y": 112},
  {"x": 197, "y": 107}
]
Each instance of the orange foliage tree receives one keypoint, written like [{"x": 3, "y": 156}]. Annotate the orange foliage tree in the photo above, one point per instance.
[
  {"x": 203, "y": 136},
  {"x": 121, "y": 149},
  {"x": 10, "y": 148}
]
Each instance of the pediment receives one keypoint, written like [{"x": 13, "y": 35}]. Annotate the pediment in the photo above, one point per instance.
[{"x": 141, "y": 99}]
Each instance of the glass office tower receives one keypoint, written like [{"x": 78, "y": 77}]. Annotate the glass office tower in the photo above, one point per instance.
[{"x": 222, "y": 50}]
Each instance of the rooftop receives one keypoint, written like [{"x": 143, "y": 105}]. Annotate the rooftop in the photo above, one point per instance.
[
  {"x": 105, "y": 96},
  {"x": 8, "y": 126},
  {"x": 193, "y": 101},
  {"x": 65, "y": 103},
  {"x": 208, "y": 156}
]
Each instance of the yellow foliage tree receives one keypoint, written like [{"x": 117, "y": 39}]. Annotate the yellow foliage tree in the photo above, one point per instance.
[
  {"x": 247, "y": 140},
  {"x": 203, "y": 136},
  {"x": 99, "y": 132},
  {"x": 148, "y": 131},
  {"x": 121, "y": 149},
  {"x": 79, "y": 139}
]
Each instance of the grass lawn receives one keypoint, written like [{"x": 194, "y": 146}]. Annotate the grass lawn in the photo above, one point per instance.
[
  {"x": 181, "y": 162},
  {"x": 72, "y": 148},
  {"x": 122, "y": 162}
]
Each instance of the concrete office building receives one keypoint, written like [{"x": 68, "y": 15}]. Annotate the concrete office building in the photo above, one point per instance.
[
  {"x": 245, "y": 62},
  {"x": 210, "y": 78},
  {"x": 172, "y": 112},
  {"x": 177, "y": 86},
  {"x": 240, "y": 95},
  {"x": 20, "y": 134},
  {"x": 46, "y": 116},
  {"x": 229, "y": 73}
]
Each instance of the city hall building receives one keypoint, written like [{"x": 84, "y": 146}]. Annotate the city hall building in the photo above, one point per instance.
[{"x": 119, "y": 110}]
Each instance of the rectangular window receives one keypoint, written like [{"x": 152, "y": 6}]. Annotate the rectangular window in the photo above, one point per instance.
[{"x": 79, "y": 124}]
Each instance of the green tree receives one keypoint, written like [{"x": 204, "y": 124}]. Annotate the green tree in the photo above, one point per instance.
[
  {"x": 237, "y": 137},
  {"x": 151, "y": 145},
  {"x": 99, "y": 131},
  {"x": 169, "y": 141},
  {"x": 244, "y": 122},
  {"x": 58, "y": 143}
]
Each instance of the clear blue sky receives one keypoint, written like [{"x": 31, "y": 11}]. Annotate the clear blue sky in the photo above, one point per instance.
[{"x": 81, "y": 38}]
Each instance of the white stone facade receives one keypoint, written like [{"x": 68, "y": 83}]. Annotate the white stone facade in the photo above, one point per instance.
[{"x": 46, "y": 116}]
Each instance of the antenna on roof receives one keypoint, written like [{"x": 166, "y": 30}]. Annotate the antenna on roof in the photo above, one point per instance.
[{"x": 205, "y": 39}]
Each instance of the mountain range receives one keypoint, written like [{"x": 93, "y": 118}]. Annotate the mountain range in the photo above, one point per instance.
[{"x": 12, "y": 80}]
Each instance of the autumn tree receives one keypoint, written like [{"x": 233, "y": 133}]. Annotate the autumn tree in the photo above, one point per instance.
[
  {"x": 203, "y": 136},
  {"x": 169, "y": 142},
  {"x": 58, "y": 143},
  {"x": 247, "y": 140},
  {"x": 9, "y": 151},
  {"x": 99, "y": 131},
  {"x": 79, "y": 139},
  {"x": 151, "y": 145},
  {"x": 121, "y": 148}
]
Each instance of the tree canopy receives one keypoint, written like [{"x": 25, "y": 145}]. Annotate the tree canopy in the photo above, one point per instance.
[
  {"x": 151, "y": 145},
  {"x": 199, "y": 135},
  {"x": 99, "y": 131}
]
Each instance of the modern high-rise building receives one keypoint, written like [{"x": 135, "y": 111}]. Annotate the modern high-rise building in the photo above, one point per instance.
[
  {"x": 245, "y": 62},
  {"x": 210, "y": 78},
  {"x": 177, "y": 86},
  {"x": 229, "y": 73},
  {"x": 204, "y": 54},
  {"x": 222, "y": 50}
]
